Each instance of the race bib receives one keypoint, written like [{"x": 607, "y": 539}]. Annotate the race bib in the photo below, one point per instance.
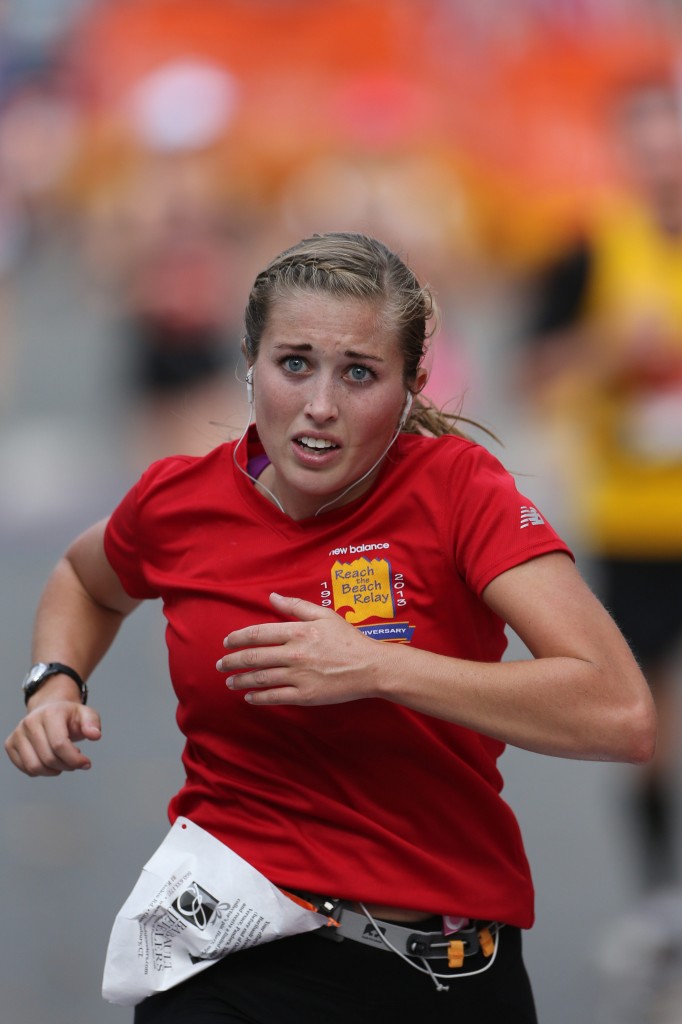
[{"x": 195, "y": 902}]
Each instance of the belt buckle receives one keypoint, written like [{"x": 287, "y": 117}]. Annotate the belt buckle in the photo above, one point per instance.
[
  {"x": 471, "y": 939},
  {"x": 430, "y": 945}
]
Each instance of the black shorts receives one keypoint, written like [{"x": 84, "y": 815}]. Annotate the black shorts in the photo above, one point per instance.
[
  {"x": 644, "y": 596},
  {"x": 308, "y": 979}
]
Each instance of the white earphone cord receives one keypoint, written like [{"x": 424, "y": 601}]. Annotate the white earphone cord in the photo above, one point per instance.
[
  {"x": 427, "y": 969},
  {"x": 253, "y": 479},
  {"x": 350, "y": 487},
  {"x": 364, "y": 475}
]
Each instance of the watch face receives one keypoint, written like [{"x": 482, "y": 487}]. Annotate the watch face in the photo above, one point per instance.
[{"x": 35, "y": 673}]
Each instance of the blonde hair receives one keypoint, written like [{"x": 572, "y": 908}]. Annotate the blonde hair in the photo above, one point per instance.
[{"x": 356, "y": 266}]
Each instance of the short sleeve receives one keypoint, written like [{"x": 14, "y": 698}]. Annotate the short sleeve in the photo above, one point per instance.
[
  {"x": 133, "y": 533},
  {"x": 495, "y": 526},
  {"x": 123, "y": 545}
]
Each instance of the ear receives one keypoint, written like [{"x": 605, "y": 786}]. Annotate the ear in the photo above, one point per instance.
[
  {"x": 245, "y": 353},
  {"x": 421, "y": 377}
]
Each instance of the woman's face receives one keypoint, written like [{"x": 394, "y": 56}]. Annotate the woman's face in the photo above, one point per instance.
[{"x": 328, "y": 395}]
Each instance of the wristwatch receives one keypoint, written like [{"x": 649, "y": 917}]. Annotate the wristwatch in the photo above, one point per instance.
[{"x": 38, "y": 673}]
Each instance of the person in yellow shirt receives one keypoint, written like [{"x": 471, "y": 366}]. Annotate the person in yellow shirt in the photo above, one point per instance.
[{"x": 605, "y": 364}]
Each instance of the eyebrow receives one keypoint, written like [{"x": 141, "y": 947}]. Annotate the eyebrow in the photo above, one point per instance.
[{"x": 349, "y": 353}]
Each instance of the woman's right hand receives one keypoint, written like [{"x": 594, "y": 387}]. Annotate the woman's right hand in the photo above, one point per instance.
[
  {"x": 80, "y": 612},
  {"x": 44, "y": 742}
]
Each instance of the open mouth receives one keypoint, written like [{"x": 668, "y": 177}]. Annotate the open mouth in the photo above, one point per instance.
[{"x": 315, "y": 444}]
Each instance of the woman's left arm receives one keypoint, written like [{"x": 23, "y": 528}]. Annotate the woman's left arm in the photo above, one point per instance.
[{"x": 581, "y": 695}]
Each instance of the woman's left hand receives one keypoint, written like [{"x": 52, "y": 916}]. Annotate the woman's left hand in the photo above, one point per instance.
[{"x": 317, "y": 659}]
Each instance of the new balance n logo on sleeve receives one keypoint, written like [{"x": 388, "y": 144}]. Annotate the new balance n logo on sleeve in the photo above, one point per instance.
[{"x": 530, "y": 517}]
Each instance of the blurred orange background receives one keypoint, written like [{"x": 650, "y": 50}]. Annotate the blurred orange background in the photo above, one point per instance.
[{"x": 501, "y": 107}]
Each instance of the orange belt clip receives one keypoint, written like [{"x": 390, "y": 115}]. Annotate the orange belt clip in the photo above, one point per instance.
[
  {"x": 326, "y": 909},
  {"x": 456, "y": 948},
  {"x": 455, "y": 953},
  {"x": 487, "y": 941}
]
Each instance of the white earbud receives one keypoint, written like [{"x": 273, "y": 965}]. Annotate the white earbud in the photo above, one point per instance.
[
  {"x": 249, "y": 387},
  {"x": 406, "y": 411}
]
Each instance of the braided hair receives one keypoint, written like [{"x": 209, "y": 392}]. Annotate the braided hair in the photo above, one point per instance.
[{"x": 356, "y": 266}]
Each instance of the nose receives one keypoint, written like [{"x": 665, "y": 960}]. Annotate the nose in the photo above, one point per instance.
[{"x": 322, "y": 405}]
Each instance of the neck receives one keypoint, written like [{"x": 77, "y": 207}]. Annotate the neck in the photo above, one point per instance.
[{"x": 268, "y": 486}]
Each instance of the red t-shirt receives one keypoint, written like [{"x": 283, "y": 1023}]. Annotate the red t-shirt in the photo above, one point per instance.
[{"x": 365, "y": 800}]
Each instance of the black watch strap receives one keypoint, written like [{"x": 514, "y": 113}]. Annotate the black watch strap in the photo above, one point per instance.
[{"x": 42, "y": 671}]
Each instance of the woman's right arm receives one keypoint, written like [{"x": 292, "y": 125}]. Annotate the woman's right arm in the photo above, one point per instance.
[{"x": 79, "y": 614}]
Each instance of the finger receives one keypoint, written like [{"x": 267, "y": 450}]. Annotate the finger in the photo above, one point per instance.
[
  {"x": 84, "y": 723},
  {"x": 49, "y": 738},
  {"x": 91, "y": 731},
  {"x": 305, "y": 611},
  {"x": 263, "y": 634},
  {"x": 257, "y": 679},
  {"x": 23, "y": 757},
  {"x": 254, "y": 659},
  {"x": 77, "y": 723},
  {"x": 32, "y": 754},
  {"x": 270, "y": 634},
  {"x": 271, "y": 698},
  {"x": 57, "y": 751}
]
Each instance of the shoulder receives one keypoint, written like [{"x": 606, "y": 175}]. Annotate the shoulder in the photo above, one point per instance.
[
  {"x": 485, "y": 520},
  {"x": 450, "y": 453},
  {"x": 452, "y": 474},
  {"x": 425, "y": 445},
  {"x": 177, "y": 472},
  {"x": 161, "y": 507}
]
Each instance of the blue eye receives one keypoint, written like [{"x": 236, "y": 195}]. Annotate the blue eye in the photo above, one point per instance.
[
  {"x": 294, "y": 364},
  {"x": 360, "y": 373}
]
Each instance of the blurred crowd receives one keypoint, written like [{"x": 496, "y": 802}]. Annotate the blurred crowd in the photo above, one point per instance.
[
  {"x": 525, "y": 156},
  {"x": 177, "y": 143}
]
